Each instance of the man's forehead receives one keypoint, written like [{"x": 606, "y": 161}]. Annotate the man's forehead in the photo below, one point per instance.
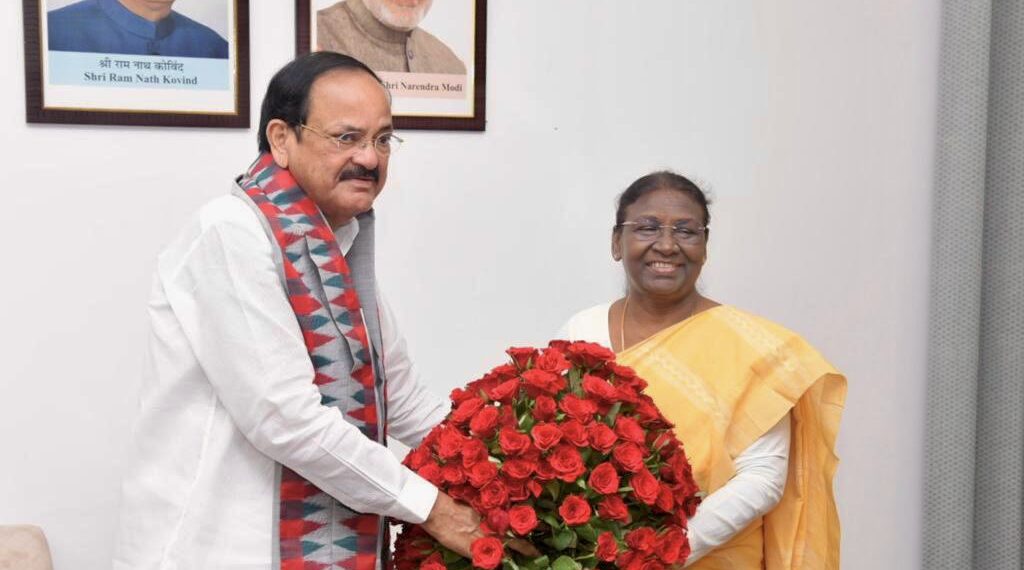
[{"x": 347, "y": 91}]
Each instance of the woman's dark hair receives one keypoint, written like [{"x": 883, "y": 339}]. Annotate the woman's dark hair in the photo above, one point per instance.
[
  {"x": 287, "y": 95},
  {"x": 656, "y": 181}
]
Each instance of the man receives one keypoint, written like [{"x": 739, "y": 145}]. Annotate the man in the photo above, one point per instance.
[
  {"x": 385, "y": 35},
  {"x": 135, "y": 27},
  {"x": 275, "y": 372}
]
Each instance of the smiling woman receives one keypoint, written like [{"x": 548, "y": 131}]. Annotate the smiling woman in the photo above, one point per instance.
[{"x": 749, "y": 398}]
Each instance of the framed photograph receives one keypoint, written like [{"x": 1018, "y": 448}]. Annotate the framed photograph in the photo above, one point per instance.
[
  {"x": 431, "y": 55},
  {"x": 176, "y": 63}
]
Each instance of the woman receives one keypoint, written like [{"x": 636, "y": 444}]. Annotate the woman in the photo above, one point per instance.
[{"x": 756, "y": 406}]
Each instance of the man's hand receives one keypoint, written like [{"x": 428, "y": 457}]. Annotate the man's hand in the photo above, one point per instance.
[
  {"x": 456, "y": 526},
  {"x": 453, "y": 524}
]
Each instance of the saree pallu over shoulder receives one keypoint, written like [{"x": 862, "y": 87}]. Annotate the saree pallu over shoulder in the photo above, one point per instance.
[{"x": 725, "y": 377}]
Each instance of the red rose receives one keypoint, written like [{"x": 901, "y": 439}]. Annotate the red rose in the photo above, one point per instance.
[
  {"x": 507, "y": 418},
  {"x": 629, "y": 456},
  {"x": 542, "y": 382},
  {"x": 681, "y": 470},
  {"x": 481, "y": 473},
  {"x": 665, "y": 500},
  {"x": 588, "y": 354},
  {"x": 575, "y": 510},
  {"x": 473, "y": 451},
  {"x": 574, "y": 432},
  {"x": 522, "y": 357},
  {"x": 522, "y": 519},
  {"x": 485, "y": 423},
  {"x": 433, "y": 562},
  {"x": 493, "y": 495},
  {"x": 487, "y": 552},
  {"x": 518, "y": 468},
  {"x": 544, "y": 408},
  {"x": 578, "y": 408},
  {"x": 670, "y": 545},
  {"x": 629, "y": 430},
  {"x": 466, "y": 410},
  {"x": 453, "y": 474},
  {"x": 664, "y": 442},
  {"x": 449, "y": 443},
  {"x": 607, "y": 547},
  {"x": 431, "y": 472},
  {"x": 534, "y": 487},
  {"x": 505, "y": 391},
  {"x": 464, "y": 493},
  {"x": 645, "y": 486},
  {"x": 544, "y": 471},
  {"x": 545, "y": 436},
  {"x": 567, "y": 462},
  {"x": 604, "y": 479},
  {"x": 621, "y": 372},
  {"x": 613, "y": 508},
  {"x": 417, "y": 458},
  {"x": 512, "y": 442},
  {"x": 518, "y": 491},
  {"x": 460, "y": 395},
  {"x": 601, "y": 437},
  {"x": 627, "y": 394},
  {"x": 599, "y": 389},
  {"x": 649, "y": 414},
  {"x": 552, "y": 360},
  {"x": 497, "y": 521},
  {"x": 641, "y": 539}
]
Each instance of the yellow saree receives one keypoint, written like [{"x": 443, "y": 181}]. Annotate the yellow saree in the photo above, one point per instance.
[{"x": 724, "y": 377}]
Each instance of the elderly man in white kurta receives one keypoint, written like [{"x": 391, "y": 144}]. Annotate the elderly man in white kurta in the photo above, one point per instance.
[{"x": 276, "y": 371}]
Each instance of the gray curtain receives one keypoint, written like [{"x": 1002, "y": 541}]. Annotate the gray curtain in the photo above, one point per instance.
[{"x": 974, "y": 505}]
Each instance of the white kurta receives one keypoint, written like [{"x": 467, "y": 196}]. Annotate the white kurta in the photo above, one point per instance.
[
  {"x": 761, "y": 469},
  {"x": 228, "y": 393}
]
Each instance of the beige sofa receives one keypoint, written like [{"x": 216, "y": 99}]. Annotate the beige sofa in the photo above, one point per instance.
[{"x": 23, "y": 547}]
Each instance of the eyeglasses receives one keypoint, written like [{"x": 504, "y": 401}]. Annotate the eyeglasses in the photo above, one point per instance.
[
  {"x": 650, "y": 230},
  {"x": 384, "y": 143}
]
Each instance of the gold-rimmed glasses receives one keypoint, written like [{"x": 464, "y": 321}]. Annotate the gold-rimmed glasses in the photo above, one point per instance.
[
  {"x": 384, "y": 143},
  {"x": 650, "y": 230}
]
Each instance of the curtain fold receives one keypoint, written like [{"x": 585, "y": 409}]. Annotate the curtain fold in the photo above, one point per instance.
[{"x": 974, "y": 495}]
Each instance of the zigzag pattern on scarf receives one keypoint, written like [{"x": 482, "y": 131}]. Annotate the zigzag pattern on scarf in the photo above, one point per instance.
[{"x": 316, "y": 531}]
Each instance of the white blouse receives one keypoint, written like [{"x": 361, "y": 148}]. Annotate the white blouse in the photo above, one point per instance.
[{"x": 761, "y": 469}]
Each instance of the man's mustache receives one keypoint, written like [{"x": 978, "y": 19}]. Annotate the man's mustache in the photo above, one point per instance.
[{"x": 360, "y": 172}]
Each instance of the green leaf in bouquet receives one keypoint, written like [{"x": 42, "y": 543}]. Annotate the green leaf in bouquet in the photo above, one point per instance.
[
  {"x": 585, "y": 453},
  {"x": 539, "y": 563},
  {"x": 509, "y": 564},
  {"x": 551, "y": 519},
  {"x": 545, "y": 504},
  {"x": 587, "y": 532},
  {"x": 565, "y": 563},
  {"x": 613, "y": 412},
  {"x": 554, "y": 488},
  {"x": 562, "y": 539},
  {"x": 450, "y": 557}
]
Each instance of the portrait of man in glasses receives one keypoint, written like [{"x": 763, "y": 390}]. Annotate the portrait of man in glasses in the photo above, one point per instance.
[{"x": 385, "y": 35}]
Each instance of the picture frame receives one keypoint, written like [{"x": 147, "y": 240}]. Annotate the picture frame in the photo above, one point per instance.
[
  {"x": 436, "y": 72},
  {"x": 98, "y": 62}
]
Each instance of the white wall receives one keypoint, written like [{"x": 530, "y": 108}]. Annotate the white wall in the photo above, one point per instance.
[{"x": 812, "y": 124}]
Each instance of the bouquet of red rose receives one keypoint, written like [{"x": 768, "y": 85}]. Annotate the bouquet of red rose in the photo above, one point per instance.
[{"x": 562, "y": 448}]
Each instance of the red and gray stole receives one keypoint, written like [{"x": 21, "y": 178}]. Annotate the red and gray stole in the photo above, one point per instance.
[{"x": 325, "y": 288}]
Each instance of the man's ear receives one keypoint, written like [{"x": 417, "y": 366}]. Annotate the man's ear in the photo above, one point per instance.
[
  {"x": 279, "y": 133},
  {"x": 616, "y": 247}
]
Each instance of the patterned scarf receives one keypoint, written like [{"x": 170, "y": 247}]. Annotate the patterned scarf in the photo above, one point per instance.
[{"x": 315, "y": 530}]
